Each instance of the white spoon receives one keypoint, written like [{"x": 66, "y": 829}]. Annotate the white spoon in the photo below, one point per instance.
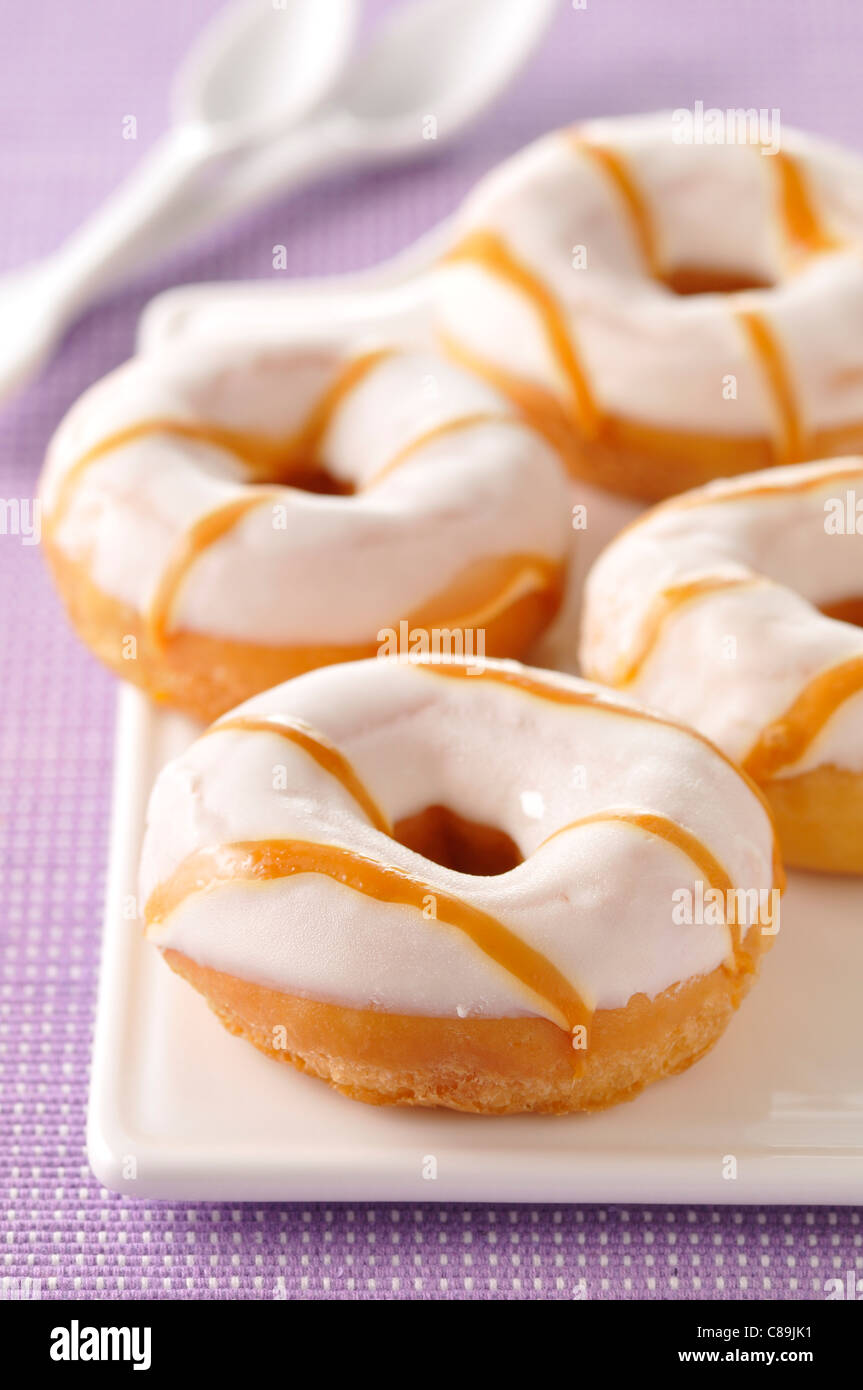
[
  {"x": 257, "y": 69},
  {"x": 433, "y": 66},
  {"x": 443, "y": 58}
]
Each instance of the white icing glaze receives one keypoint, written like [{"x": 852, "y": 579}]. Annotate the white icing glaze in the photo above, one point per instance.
[
  {"x": 732, "y": 661},
  {"x": 649, "y": 355},
  {"x": 596, "y": 899},
  {"x": 491, "y": 490},
  {"x": 350, "y": 565},
  {"x": 599, "y": 515}
]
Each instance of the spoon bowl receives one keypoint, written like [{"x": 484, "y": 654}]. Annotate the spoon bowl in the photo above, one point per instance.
[
  {"x": 260, "y": 65},
  {"x": 254, "y": 116},
  {"x": 439, "y": 59},
  {"x": 257, "y": 69}
]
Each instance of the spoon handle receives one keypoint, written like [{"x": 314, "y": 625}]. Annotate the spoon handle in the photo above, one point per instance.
[
  {"x": 169, "y": 199},
  {"x": 279, "y": 165},
  {"x": 184, "y": 184},
  {"x": 119, "y": 234}
]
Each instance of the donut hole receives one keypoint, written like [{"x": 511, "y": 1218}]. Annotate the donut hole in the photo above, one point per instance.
[
  {"x": 695, "y": 279},
  {"x": 469, "y": 847},
  {"x": 315, "y": 477},
  {"x": 846, "y": 610}
]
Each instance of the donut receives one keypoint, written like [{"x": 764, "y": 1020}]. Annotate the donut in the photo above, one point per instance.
[
  {"x": 666, "y": 312},
  {"x": 222, "y": 520},
  {"x": 437, "y": 885},
  {"x": 736, "y": 608}
]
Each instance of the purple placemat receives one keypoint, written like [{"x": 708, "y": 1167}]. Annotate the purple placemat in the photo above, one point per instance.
[{"x": 71, "y": 74}]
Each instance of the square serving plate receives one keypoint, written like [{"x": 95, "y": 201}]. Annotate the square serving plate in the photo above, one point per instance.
[{"x": 180, "y": 1109}]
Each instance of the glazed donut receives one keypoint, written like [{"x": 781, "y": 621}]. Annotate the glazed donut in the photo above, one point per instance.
[
  {"x": 436, "y": 887},
  {"x": 732, "y": 608},
  {"x": 198, "y": 555},
  {"x": 667, "y": 312}
]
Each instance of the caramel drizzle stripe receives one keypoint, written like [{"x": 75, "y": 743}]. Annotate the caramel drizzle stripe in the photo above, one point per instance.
[
  {"x": 324, "y": 753},
  {"x": 305, "y": 444},
  {"x": 219, "y": 522},
  {"x": 801, "y": 224},
  {"x": 529, "y": 685},
  {"x": 672, "y": 833},
  {"x": 312, "y": 433},
  {"x": 613, "y": 165},
  {"x": 184, "y": 429},
  {"x": 489, "y": 250},
  {"x": 261, "y": 453},
  {"x": 765, "y": 489},
  {"x": 805, "y": 233},
  {"x": 212, "y": 527},
  {"x": 669, "y": 602},
  {"x": 702, "y": 497},
  {"x": 768, "y": 351},
  {"x": 262, "y": 861},
  {"x": 199, "y": 537},
  {"x": 803, "y": 228},
  {"x": 546, "y": 574},
  {"x": 785, "y": 740},
  {"x": 541, "y": 573},
  {"x": 536, "y": 407},
  {"x": 436, "y": 432}
]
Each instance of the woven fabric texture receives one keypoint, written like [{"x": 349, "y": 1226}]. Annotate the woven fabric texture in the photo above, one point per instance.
[{"x": 72, "y": 74}]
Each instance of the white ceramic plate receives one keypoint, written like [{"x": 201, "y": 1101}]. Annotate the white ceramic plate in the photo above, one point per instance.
[{"x": 180, "y": 1109}]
